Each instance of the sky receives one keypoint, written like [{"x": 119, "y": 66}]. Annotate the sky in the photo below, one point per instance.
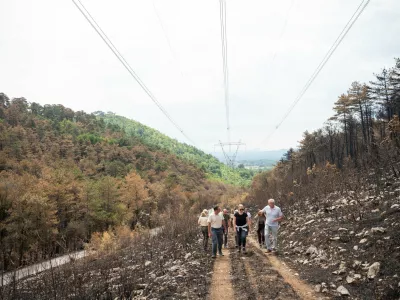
[{"x": 51, "y": 55}]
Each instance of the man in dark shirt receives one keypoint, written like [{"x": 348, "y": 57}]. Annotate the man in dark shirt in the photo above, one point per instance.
[{"x": 227, "y": 218}]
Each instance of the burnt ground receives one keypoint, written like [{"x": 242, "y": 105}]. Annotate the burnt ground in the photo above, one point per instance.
[
  {"x": 336, "y": 240},
  {"x": 253, "y": 276}
]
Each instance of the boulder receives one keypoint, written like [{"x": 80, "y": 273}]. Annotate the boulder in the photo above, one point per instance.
[
  {"x": 343, "y": 291},
  {"x": 373, "y": 270}
]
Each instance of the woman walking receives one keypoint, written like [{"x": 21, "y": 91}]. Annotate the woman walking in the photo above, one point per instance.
[
  {"x": 261, "y": 227},
  {"x": 241, "y": 225},
  {"x": 204, "y": 227}
]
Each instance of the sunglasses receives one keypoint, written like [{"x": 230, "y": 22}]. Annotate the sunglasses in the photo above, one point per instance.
[{"x": 241, "y": 209}]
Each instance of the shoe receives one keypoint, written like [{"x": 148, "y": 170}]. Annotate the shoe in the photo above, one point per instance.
[
  {"x": 239, "y": 250},
  {"x": 269, "y": 250},
  {"x": 261, "y": 245},
  {"x": 221, "y": 254},
  {"x": 213, "y": 256},
  {"x": 236, "y": 246},
  {"x": 244, "y": 250}
]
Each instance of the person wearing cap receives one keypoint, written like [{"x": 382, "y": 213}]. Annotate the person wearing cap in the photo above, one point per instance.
[
  {"x": 226, "y": 221},
  {"x": 204, "y": 227}
]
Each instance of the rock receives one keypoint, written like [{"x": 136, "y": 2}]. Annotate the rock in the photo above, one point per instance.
[
  {"x": 355, "y": 248},
  {"x": 309, "y": 222},
  {"x": 343, "y": 229},
  {"x": 147, "y": 263},
  {"x": 356, "y": 264},
  {"x": 373, "y": 270},
  {"x": 318, "y": 288},
  {"x": 343, "y": 291},
  {"x": 188, "y": 255},
  {"x": 378, "y": 229},
  {"x": 350, "y": 279},
  {"x": 336, "y": 238},
  {"x": 395, "y": 206},
  {"x": 311, "y": 250},
  {"x": 363, "y": 241}
]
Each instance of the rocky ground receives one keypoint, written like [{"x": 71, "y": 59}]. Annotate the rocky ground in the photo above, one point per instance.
[
  {"x": 170, "y": 265},
  {"x": 347, "y": 246}
]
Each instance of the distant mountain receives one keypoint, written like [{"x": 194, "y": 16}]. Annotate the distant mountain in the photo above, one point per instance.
[{"x": 252, "y": 155}]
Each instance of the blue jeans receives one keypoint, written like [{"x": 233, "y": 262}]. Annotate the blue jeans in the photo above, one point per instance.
[
  {"x": 274, "y": 231},
  {"x": 241, "y": 237},
  {"x": 216, "y": 238}
]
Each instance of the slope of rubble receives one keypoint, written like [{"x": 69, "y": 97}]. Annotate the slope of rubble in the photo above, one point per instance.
[{"x": 347, "y": 246}]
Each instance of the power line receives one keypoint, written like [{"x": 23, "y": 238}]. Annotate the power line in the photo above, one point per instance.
[
  {"x": 114, "y": 49},
  {"x": 321, "y": 65},
  {"x": 283, "y": 30},
  {"x": 173, "y": 54},
  {"x": 224, "y": 43}
]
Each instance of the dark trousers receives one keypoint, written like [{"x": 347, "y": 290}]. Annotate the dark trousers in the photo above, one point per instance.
[
  {"x": 204, "y": 231},
  {"x": 260, "y": 234},
  {"x": 216, "y": 239},
  {"x": 241, "y": 236},
  {"x": 225, "y": 237}
]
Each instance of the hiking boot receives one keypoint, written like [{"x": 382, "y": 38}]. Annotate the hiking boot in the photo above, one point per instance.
[
  {"x": 221, "y": 254},
  {"x": 244, "y": 250},
  {"x": 269, "y": 250},
  {"x": 239, "y": 250},
  {"x": 214, "y": 256}
]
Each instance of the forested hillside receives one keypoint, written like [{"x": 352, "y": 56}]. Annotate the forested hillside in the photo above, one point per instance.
[
  {"x": 340, "y": 192},
  {"x": 155, "y": 139},
  {"x": 65, "y": 175}
]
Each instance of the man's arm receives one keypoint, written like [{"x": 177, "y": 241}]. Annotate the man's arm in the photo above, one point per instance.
[
  {"x": 280, "y": 217},
  {"x": 209, "y": 228}
]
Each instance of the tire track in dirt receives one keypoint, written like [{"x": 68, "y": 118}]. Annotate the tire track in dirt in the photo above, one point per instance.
[
  {"x": 301, "y": 289},
  {"x": 221, "y": 285}
]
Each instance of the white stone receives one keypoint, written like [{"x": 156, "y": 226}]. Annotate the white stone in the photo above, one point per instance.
[
  {"x": 343, "y": 229},
  {"x": 318, "y": 288},
  {"x": 350, "y": 279},
  {"x": 336, "y": 238},
  {"x": 312, "y": 250},
  {"x": 363, "y": 241},
  {"x": 378, "y": 229},
  {"x": 373, "y": 270},
  {"x": 187, "y": 255},
  {"x": 147, "y": 263},
  {"x": 395, "y": 206},
  {"x": 309, "y": 222},
  {"x": 355, "y": 248},
  {"x": 343, "y": 291}
]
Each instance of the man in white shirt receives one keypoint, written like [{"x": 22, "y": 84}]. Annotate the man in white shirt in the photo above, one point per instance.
[
  {"x": 215, "y": 231},
  {"x": 274, "y": 216}
]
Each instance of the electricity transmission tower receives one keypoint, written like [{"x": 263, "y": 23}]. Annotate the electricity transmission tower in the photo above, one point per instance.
[{"x": 229, "y": 156}]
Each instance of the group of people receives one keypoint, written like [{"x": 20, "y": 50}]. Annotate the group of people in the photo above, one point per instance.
[{"x": 216, "y": 224}]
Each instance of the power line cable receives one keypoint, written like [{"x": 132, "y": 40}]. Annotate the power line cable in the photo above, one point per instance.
[
  {"x": 110, "y": 45},
  {"x": 328, "y": 55},
  {"x": 225, "y": 62}
]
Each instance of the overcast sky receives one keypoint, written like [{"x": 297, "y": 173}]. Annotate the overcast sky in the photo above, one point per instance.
[{"x": 49, "y": 54}]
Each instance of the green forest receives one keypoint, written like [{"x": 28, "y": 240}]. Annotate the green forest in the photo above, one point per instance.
[
  {"x": 214, "y": 169},
  {"x": 66, "y": 175}
]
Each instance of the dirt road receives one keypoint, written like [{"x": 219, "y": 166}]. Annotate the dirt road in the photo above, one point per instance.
[{"x": 255, "y": 275}]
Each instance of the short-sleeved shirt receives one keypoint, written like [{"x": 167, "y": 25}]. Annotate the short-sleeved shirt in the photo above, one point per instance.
[
  {"x": 249, "y": 214},
  {"x": 272, "y": 213},
  {"x": 241, "y": 219},
  {"x": 203, "y": 221},
  {"x": 215, "y": 220}
]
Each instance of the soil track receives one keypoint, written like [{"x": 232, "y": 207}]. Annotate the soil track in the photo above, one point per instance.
[{"x": 255, "y": 275}]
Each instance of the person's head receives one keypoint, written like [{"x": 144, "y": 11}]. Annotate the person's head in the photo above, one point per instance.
[
  {"x": 246, "y": 210},
  {"x": 225, "y": 211},
  {"x": 241, "y": 209},
  {"x": 271, "y": 203},
  {"x": 204, "y": 213},
  {"x": 217, "y": 209},
  {"x": 260, "y": 213}
]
